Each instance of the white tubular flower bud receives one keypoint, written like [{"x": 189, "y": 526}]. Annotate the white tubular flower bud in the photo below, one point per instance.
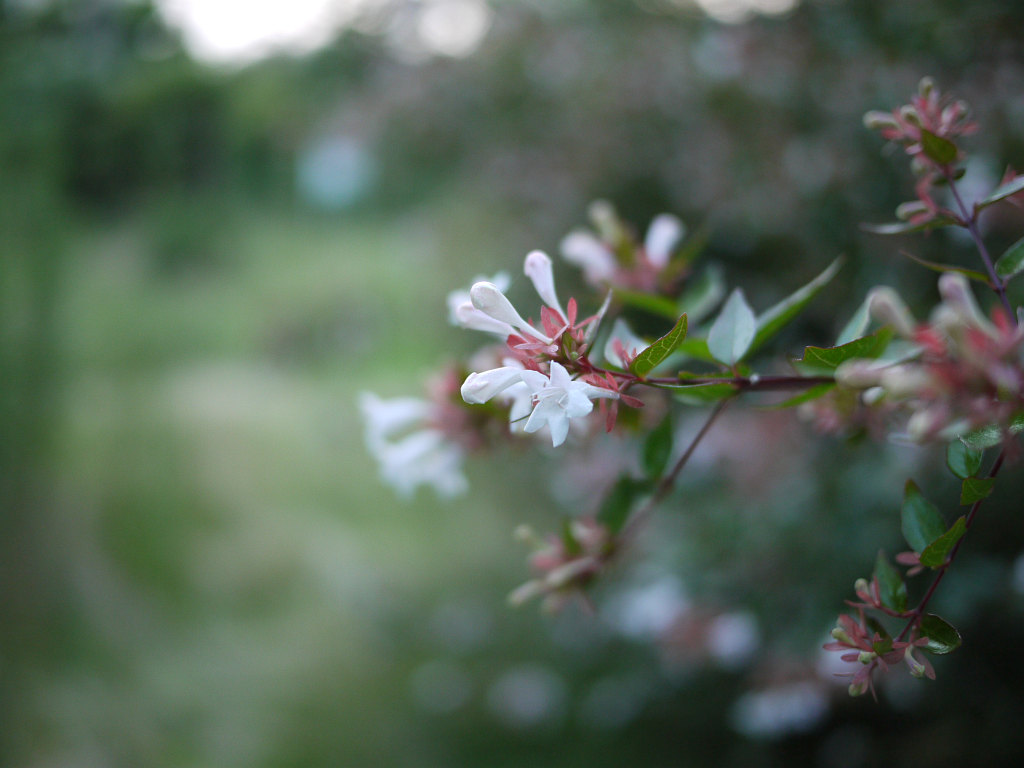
[
  {"x": 489, "y": 299},
  {"x": 905, "y": 380},
  {"x": 956, "y": 294},
  {"x": 876, "y": 120},
  {"x": 663, "y": 234},
  {"x": 537, "y": 267},
  {"x": 926, "y": 86},
  {"x": 606, "y": 221},
  {"x": 886, "y": 306},
  {"x": 481, "y": 387},
  {"x": 859, "y": 374},
  {"x": 590, "y": 254},
  {"x": 906, "y": 211}
]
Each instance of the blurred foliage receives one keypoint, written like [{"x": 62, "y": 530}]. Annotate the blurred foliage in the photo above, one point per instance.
[{"x": 195, "y": 567}]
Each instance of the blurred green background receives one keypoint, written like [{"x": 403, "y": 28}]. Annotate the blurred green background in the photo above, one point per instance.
[{"x": 203, "y": 262}]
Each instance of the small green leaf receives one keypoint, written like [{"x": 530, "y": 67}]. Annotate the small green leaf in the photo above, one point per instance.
[
  {"x": 805, "y": 397},
  {"x": 891, "y": 586},
  {"x": 618, "y": 503},
  {"x": 922, "y": 523},
  {"x": 962, "y": 460},
  {"x": 1011, "y": 263},
  {"x": 942, "y": 636},
  {"x": 1011, "y": 187},
  {"x": 975, "y": 489},
  {"x": 656, "y": 305},
  {"x": 701, "y": 394},
  {"x": 990, "y": 435},
  {"x": 655, "y": 354},
  {"x": 857, "y": 325},
  {"x": 935, "y": 554},
  {"x": 733, "y": 330},
  {"x": 658, "y": 448},
  {"x": 942, "y": 151},
  {"x": 907, "y": 227},
  {"x": 696, "y": 348},
  {"x": 971, "y": 274},
  {"x": 827, "y": 359},
  {"x": 775, "y": 318},
  {"x": 703, "y": 295},
  {"x": 569, "y": 542}
]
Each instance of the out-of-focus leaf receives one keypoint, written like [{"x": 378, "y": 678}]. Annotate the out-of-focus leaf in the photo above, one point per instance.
[
  {"x": 656, "y": 305},
  {"x": 618, "y": 503},
  {"x": 1011, "y": 263},
  {"x": 805, "y": 397},
  {"x": 935, "y": 554},
  {"x": 990, "y": 435},
  {"x": 942, "y": 636},
  {"x": 891, "y": 587},
  {"x": 922, "y": 523},
  {"x": 703, "y": 295},
  {"x": 962, "y": 460},
  {"x": 906, "y": 227},
  {"x": 775, "y": 318},
  {"x": 701, "y": 394},
  {"x": 971, "y": 274},
  {"x": 569, "y": 542},
  {"x": 856, "y": 325},
  {"x": 658, "y": 448},
  {"x": 1003, "y": 191},
  {"x": 939, "y": 149},
  {"x": 696, "y": 348},
  {"x": 655, "y": 354},
  {"x": 827, "y": 359},
  {"x": 731, "y": 334},
  {"x": 975, "y": 489}
]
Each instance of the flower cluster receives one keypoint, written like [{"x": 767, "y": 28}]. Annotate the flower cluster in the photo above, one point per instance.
[
  {"x": 535, "y": 375},
  {"x": 613, "y": 257},
  {"x": 927, "y": 128},
  {"x": 865, "y": 641},
  {"x": 965, "y": 371},
  {"x": 564, "y": 564}
]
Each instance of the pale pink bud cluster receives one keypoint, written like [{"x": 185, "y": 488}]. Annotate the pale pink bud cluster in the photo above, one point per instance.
[
  {"x": 564, "y": 564},
  {"x": 866, "y": 645},
  {"x": 966, "y": 371},
  {"x": 611, "y": 257}
]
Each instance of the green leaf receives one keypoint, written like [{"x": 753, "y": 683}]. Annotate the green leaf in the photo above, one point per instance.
[
  {"x": 658, "y": 448},
  {"x": 990, "y": 435},
  {"x": 942, "y": 151},
  {"x": 805, "y": 397},
  {"x": 656, "y": 305},
  {"x": 827, "y": 359},
  {"x": 701, "y": 394},
  {"x": 569, "y": 541},
  {"x": 922, "y": 523},
  {"x": 696, "y": 348},
  {"x": 942, "y": 636},
  {"x": 775, "y": 318},
  {"x": 655, "y": 354},
  {"x": 618, "y": 503},
  {"x": 907, "y": 227},
  {"x": 975, "y": 489},
  {"x": 935, "y": 554},
  {"x": 971, "y": 274},
  {"x": 1011, "y": 187},
  {"x": 962, "y": 460},
  {"x": 733, "y": 330},
  {"x": 857, "y": 325},
  {"x": 703, "y": 295},
  {"x": 1011, "y": 263},
  {"x": 891, "y": 587}
]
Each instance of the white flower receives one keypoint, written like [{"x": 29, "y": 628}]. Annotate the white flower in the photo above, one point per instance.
[
  {"x": 481, "y": 387},
  {"x": 409, "y": 452},
  {"x": 663, "y": 234},
  {"x": 462, "y": 313},
  {"x": 559, "y": 398},
  {"x": 590, "y": 254}
]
